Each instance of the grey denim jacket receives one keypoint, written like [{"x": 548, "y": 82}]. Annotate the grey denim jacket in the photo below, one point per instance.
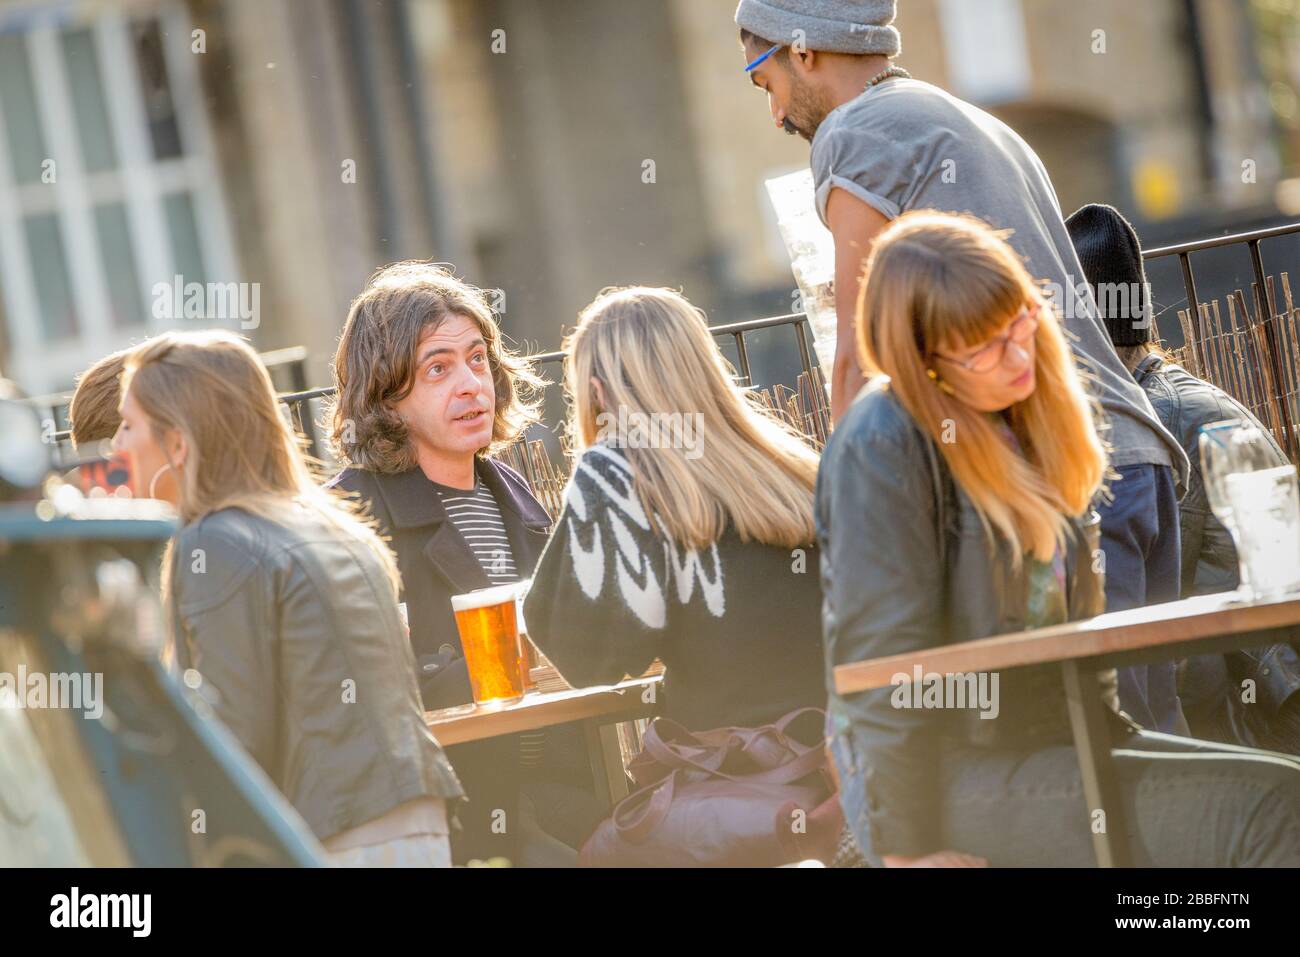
[
  {"x": 297, "y": 637},
  {"x": 1213, "y": 683}
]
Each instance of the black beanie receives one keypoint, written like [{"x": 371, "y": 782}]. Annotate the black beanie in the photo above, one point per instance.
[{"x": 1110, "y": 253}]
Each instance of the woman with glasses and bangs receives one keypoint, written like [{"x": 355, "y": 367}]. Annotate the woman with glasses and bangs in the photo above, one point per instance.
[{"x": 955, "y": 502}]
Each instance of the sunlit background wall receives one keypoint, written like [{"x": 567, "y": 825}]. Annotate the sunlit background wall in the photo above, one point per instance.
[{"x": 548, "y": 148}]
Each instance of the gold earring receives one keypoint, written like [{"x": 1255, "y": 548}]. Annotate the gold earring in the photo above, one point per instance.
[{"x": 943, "y": 386}]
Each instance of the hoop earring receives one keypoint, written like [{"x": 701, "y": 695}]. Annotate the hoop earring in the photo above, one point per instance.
[
  {"x": 157, "y": 475},
  {"x": 943, "y": 386}
]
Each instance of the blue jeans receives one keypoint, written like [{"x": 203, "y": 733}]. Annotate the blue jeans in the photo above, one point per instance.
[
  {"x": 1187, "y": 803},
  {"x": 1139, "y": 537}
]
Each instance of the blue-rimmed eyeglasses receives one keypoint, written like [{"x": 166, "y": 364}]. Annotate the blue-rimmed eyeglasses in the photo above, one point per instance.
[{"x": 752, "y": 64}]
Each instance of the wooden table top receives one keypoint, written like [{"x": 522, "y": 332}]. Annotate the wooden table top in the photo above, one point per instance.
[
  {"x": 1150, "y": 627},
  {"x": 620, "y": 702}
]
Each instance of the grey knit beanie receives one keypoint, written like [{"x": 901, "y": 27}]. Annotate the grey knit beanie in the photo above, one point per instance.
[{"x": 831, "y": 26}]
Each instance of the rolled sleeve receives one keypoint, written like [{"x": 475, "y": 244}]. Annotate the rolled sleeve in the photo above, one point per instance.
[
  {"x": 883, "y": 206},
  {"x": 861, "y": 166}
]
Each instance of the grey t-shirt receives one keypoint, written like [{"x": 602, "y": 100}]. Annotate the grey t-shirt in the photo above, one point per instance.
[{"x": 905, "y": 145}]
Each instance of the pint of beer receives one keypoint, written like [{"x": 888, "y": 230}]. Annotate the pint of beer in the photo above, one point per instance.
[{"x": 489, "y": 636}]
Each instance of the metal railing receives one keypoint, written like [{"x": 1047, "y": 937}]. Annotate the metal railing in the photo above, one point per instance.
[
  {"x": 292, "y": 361},
  {"x": 804, "y": 406},
  {"x": 1255, "y": 359}
]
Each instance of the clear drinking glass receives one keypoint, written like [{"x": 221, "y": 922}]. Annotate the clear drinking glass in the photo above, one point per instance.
[
  {"x": 1216, "y": 449},
  {"x": 1258, "y": 501},
  {"x": 1216, "y": 464}
]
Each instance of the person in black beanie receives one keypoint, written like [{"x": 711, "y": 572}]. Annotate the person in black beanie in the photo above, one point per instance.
[
  {"x": 1209, "y": 685},
  {"x": 1111, "y": 257}
]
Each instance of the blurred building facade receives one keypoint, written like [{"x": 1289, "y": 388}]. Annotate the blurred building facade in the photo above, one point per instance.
[{"x": 271, "y": 154}]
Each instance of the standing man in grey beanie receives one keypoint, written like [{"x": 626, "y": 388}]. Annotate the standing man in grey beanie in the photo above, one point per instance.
[{"x": 884, "y": 143}]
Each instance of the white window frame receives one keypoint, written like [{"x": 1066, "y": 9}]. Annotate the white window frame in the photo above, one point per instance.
[
  {"x": 987, "y": 48},
  {"x": 41, "y": 365}
]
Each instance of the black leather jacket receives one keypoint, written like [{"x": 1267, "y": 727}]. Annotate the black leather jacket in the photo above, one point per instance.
[
  {"x": 303, "y": 655},
  {"x": 907, "y": 564},
  {"x": 1211, "y": 684}
]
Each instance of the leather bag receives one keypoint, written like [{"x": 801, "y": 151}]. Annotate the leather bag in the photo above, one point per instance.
[{"x": 730, "y": 797}]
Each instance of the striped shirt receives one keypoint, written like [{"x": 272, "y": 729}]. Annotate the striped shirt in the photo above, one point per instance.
[{"x": 477, "y": 517}]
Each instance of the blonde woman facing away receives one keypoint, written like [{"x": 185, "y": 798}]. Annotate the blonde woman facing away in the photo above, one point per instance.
[
  {"x": 687, "y": 530},
  {"x": 285, "y": 603}
]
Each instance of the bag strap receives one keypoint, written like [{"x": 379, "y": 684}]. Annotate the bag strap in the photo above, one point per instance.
[
  {"x": 666, "y": 740},
  {"x": 637, "y": 815},
  {"x": 805, "y": 762},
  {"x": 674, "y": 749},
  {"x": 800, "y": 767}
]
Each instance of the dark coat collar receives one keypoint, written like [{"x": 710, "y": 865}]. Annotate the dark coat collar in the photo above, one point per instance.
[
  {"x": 409, "y": 499},
  {"x": 1151, "y": 362},
  {"x": 512, "y": 493},
  {"x": 410, "y": 504}
]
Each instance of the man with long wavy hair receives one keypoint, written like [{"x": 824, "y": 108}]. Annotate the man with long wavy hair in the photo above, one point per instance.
[{"x": 426, "y": 391}]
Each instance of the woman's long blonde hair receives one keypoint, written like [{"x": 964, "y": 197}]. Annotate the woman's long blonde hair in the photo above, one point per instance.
[
  {"x": 652, "y": 352},
  {"x": 240, "y": 450},
  {"x": 940, "y": 281}
]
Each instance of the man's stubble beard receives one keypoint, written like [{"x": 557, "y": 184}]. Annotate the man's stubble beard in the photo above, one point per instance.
[{"x": 809, "y": 108}]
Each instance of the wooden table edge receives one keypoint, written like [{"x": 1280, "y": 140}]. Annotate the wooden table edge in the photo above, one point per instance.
[
  {"x": 1167, "y": 624},
  {"x": 622, "y": 701}
]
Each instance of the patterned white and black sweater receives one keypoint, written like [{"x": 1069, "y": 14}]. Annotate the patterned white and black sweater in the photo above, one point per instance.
[{"x": 737, "y": 625}]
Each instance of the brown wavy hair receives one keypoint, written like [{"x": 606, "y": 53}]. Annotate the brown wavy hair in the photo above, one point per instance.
[
  {"x": 93, "y": 411},
  {"x": 374, "y": 366}
]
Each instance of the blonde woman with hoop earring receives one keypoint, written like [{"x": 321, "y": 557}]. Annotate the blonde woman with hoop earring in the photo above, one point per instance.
[{"x": 285, "y": 604}]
